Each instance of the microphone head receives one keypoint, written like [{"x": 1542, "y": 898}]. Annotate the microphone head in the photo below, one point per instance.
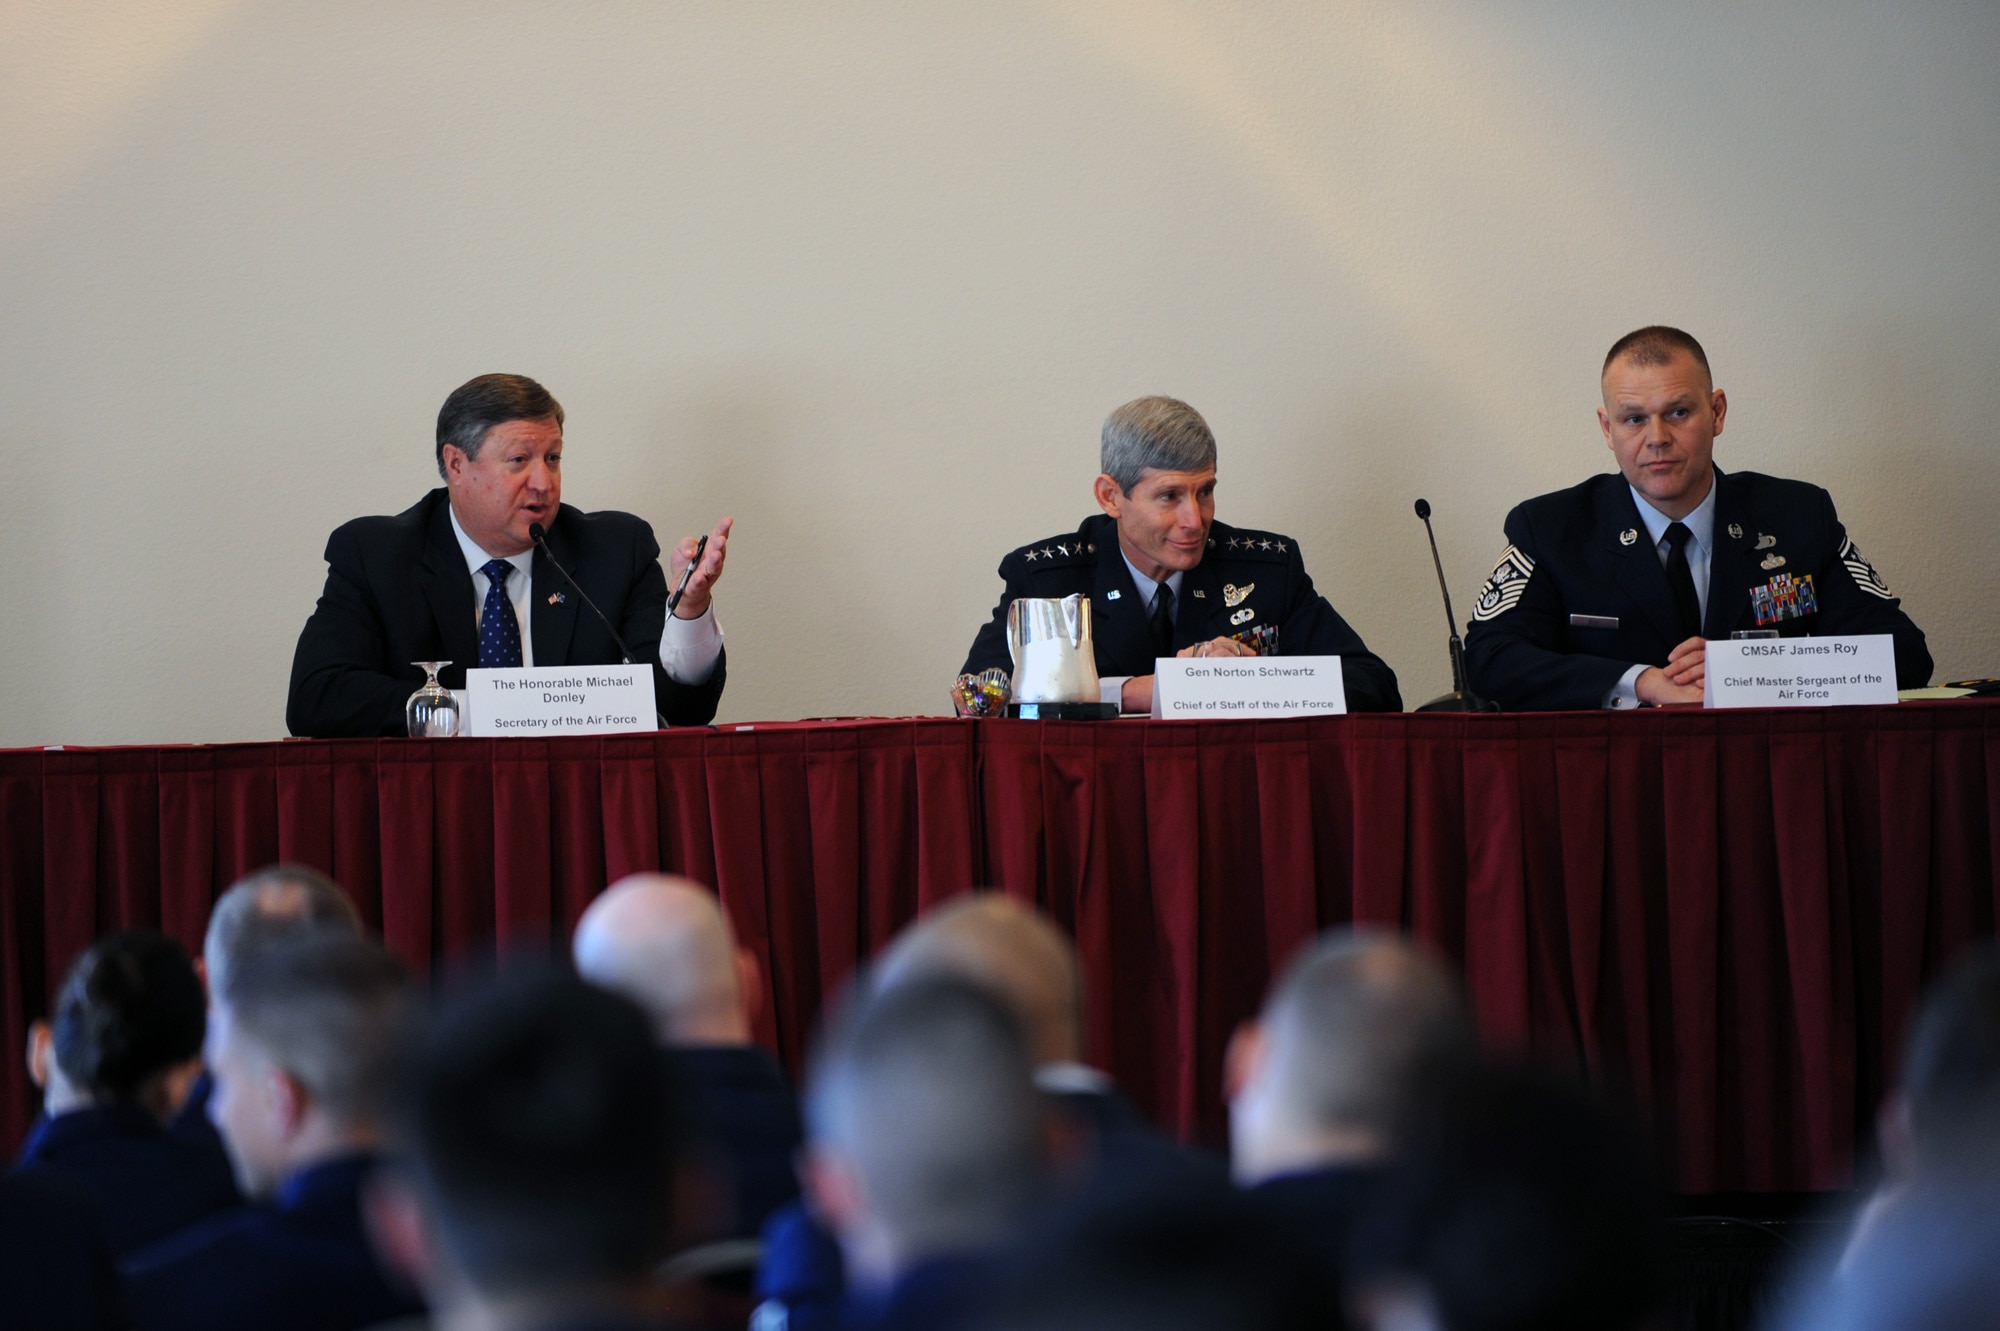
[
  {"x": 537, "y": 532},
  {"x": 1424, "y": 509}
]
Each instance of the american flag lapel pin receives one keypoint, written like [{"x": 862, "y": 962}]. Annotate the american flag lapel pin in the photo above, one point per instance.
[{"x": 555, "y": 598}]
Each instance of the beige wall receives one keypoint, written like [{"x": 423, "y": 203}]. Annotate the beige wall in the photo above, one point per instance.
[{"x": 869, "y": 276}]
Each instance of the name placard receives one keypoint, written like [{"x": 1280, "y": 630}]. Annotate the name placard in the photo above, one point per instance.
[
  {"x": 560, "y": 700},
  {"x": 1800, "y": 672},
  {"x": 1205, "y": 688}
]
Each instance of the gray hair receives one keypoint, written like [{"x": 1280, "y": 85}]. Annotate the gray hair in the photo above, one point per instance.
[
  {"x": 1364, "y": 1027},
  {"x": 926, "y": 1089},
  {"x": 1154, "y": 434},
  {"x": 273, "y": 905}
]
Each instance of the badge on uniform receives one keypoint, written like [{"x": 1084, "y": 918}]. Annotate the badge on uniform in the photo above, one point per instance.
[
  {"x": 1630, "y": 536},
  {"x": 1771, "y": 561},
  {"x": 1260, "y": 638},
  {"x": 1864, "y": 574},
  {"x": 1504, "y": 585},
  {"x": 1735, "y": 531},
  {"x": 1234, "y": 595},
  {"x": 1784, "y": 597},
  {"x": 1111, "y": 595},
  {"x": 1243, "y": 616},
  {"x": 1765, "y": 542}
]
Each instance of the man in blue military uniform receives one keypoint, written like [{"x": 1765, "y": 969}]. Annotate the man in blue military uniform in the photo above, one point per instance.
[
  {"x": 1607, "y": 592},
  {"x": 1166, "y": 579}
]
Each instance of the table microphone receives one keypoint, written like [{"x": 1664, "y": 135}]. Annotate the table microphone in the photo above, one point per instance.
[
  {"x": 1461, "y": 698},
  {"x": 540, "y": 536}
]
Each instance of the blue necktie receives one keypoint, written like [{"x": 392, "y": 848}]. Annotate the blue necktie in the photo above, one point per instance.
[{"x": 499, "y": 631}]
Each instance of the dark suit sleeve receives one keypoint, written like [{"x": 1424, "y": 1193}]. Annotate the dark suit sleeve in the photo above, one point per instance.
[
  {"x": 343, "y": 683},
  {"x": 1854, "y": 599},
  {"x": 1314, "y": 628},
  {"x": 989, "y": 645},
  {"x": 642, "y": 625},
  {"x": 1514, "y": 654}
]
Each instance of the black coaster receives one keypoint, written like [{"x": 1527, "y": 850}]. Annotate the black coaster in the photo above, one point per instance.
[{"x": 1064, "y": 711}]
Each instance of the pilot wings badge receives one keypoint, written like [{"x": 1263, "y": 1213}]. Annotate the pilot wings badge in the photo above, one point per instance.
[
  {"x": 1504, "y": 588},
  {"x": 1232, "y": 595}
]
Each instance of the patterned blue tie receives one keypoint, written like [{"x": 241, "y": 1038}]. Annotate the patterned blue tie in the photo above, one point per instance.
[{"x": 499, "y": 631}]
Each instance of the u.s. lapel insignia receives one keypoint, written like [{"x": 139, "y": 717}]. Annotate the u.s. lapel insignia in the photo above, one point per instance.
[
  {"x": 1243, "y": 616},
  {"x": 1735, "y": 531},
  {"x": 1628, "y": 536},
  {"x": 556, "y": 598},
  {"x": 1772, "y": 561},
  {"x": 1198, "y": 593},
  {"x": 1765, "y": 542},
  {"x": 1234, "y": 595},
  {"x": 1111, "y": 595}
]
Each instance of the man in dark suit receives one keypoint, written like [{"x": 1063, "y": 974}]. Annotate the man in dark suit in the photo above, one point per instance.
[
  {"x": 1165, "y": 579},
  {"x": 304, "y": 1041},
  {"x": 1607, "y": 592},
  {"x": 457, "y": 577}
]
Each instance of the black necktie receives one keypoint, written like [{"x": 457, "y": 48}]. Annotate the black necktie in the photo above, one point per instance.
[
  {"x": 1681, "y": 580},
  {"x": 1163, "y": 621}
]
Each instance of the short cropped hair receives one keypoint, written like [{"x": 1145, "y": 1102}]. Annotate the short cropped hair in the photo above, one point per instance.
[
  {"x": 131, "y": 1009},
  {"x": 1366, "y": 1026},
  {"x": 478, "y": 405},
  {"x": 927, "y": 1089},
  {"x": 331, "y": 1011},
  {"x": 1154, "y": 434},
  {"x": 544, "y": 1129},
  {"x": 1655, "y": 344},
  {"x": 273, "y": 905},
  {"x": 1951, "y": 1070}
]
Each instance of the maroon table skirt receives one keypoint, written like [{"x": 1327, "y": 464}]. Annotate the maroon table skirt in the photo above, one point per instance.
[{"x": 1729, "y": 915}]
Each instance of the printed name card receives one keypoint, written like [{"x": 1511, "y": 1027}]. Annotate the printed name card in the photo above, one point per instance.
[
  {"x": 1800, "y": 672},
  {"x": 560, "y": 700},
  {"x": 1207, "y": 688}
]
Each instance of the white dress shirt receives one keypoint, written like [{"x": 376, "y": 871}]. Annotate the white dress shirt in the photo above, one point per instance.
[
  {"x": 1111, "y": 689},
  {"x": 689, "y": 648},
  {"x": 1701, "y": 526}
]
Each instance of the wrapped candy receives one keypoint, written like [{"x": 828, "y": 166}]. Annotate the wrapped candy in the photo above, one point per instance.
[{"x": 983, "y": 694}]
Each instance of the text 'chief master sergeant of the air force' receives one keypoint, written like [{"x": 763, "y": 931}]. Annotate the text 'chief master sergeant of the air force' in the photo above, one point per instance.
[
  {"x": 1166, "y": 579},
  {"x": 457, "y": 577},
  {"x": 1607, "y": 592}
]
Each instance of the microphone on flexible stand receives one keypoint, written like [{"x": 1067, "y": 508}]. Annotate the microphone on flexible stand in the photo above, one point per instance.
[
  {"x": 1461, "y": 698},
  {"x": 540, "y": 536}
]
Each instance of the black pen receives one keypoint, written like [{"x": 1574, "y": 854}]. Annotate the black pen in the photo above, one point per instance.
[{"x": 674, "y": 601}]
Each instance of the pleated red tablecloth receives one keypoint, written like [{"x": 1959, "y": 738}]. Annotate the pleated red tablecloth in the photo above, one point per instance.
[{"x": 1728, "y": 913}]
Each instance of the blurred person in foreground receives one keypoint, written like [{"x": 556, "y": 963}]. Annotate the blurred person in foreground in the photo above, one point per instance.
[
  {"x": 303, "y": 1046},
  {"x": 1523, "y": 1203},
  {"x": 1101, "y": 1142},
  {"x": 1360, "y": 1034},
  {"x": 266, "y": 908},
  {"x": 664, "y": 943},
  {"x": 114, "y": 1066},
  {"x": 1947, "y": 1101},
  {"x": 57, "y": 1272},
  {"x": 539, "y": 1146},
  {"x": 925, "y": 1148}
]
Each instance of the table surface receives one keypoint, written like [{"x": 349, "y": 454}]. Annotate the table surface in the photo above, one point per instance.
[{"x": 1728, "y": 915}]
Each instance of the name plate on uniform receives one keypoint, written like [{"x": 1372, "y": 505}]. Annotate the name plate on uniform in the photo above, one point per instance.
[
  {"x": 1208, "y": 688},
  {"x": 560, "y": 700},
  {"x": 1800, "y": 672}
]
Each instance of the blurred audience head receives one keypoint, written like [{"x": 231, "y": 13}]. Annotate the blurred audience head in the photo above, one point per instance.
[
  {"x": 1361, "y": 1028},
  {"x": 1521, "y": 1204},
  {"x": 540, "y": 1135},
  {"x": 1197, "y": 1260},
  {"x": 127, "y": 1028},
  {"x": 924, "y": 1129},
  {"x": 271, "y": 906},
  {"x": 664, "y": 943},
  {"x": 303, "y": 1044},
  {"x": 1949, "y": 1092},
  {"x": 990, "y": 939}
]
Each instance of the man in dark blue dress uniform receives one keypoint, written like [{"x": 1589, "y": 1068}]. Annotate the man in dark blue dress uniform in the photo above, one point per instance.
[
  {"x": 1607, "y": 592},
  {"x": 1166, "y": 579}
]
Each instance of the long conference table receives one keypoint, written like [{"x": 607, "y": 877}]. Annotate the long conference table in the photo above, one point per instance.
[{"x": 1728, "y": 916}]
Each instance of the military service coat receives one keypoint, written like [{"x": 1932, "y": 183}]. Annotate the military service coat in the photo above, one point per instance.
[
  {"x": 1580, "y": 596},
  {"x": 1250, "y": 585}
]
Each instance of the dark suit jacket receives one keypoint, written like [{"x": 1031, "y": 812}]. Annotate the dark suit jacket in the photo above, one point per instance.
[
  {"x": 1287, "y": 616},
  {"x": 751, "y": 1120},
  {"x": 56, "y": 1270},
  {"x": 144, "y": 1184},
  {"x": 1566, "y": 557},
  {"x": 303, "y": 1263},
  {"x": 398, "y": 590}
]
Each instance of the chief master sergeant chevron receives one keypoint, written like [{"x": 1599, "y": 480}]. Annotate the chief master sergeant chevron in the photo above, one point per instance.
[
  {"x": 1164, "y": 578},
  {"x": 1607, "y": 592}
]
